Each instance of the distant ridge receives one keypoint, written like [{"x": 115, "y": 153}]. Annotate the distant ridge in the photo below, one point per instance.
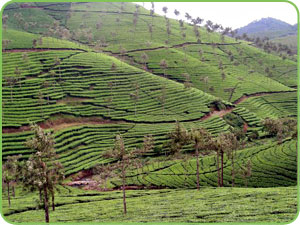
[{"x": 268, "y": 27}]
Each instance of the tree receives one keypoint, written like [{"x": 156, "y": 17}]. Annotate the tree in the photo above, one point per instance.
[
  {"x": 187, "y": 83},
  {"x": 144, "y": 58},
  {"x": 162, "y": 98},
  {"x": 105, "y": 172},
  {"x": 231, "y": 91},
  {"x": 5, "y": 44},
  {"x": 165, "y": 10},
  {"x": 224, "y": 143},
  {"x": 168, "y": 29},
  {"x": 177, "y": 138},
  {"x": 280, "y": 128},
  {"x": 246, "y": 172},
  {"x": 230, "y": 151},
  {"x": 150, "y": 29},
  {"x": 4, "y": 21},
  {"x": 11, "y": 81},
  {"x": 10, "y": 172},
  {"x": 135, "y": 96},
  {"x": 114, "y": 68},
  {"x": 205, "y": 80},
  {"x": 140, "y": 153},
  {"x": 123, "y": 52},
  {"x": 34, "y": 43},
  {"x": 187, "y": 16},
  {"x": 43, "y": 170},
  {"x": 122, "y": 158},
  {"x": 163, "y": 65},
  {"x": 201, "y": 140},
  {"x": 152, "y": 12},
  {"x": 135, "y": 19}
]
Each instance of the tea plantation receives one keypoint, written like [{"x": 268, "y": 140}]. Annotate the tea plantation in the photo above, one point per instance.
[{"x": 87, "y": 72}]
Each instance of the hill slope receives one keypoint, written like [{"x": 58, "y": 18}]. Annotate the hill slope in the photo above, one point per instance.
[
  {"x": 88, "y": 81},
  {"x": 268, "y": 27}
]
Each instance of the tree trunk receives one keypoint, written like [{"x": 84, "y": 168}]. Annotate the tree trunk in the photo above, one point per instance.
[
  {"x": 232, "y": 165},
  {"x": 8, "y": 196},
  {"x": 222, "y": 167},
  {"x": 40, "y": 192},
  {"x": 198, "y": 179},
  {"x": 123, "y": 187},
  {"x": 218, "y": 168},
  {"x": 46, "y": 208},
  {"x": 13, "y": 190},
  {"x": 53, "y": 204}
]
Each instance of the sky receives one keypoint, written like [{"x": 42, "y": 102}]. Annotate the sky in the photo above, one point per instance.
[{"x": 229, "y": 14}]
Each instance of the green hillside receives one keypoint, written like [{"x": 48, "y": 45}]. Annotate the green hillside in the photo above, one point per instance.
[{"x": 90, "y": 71}]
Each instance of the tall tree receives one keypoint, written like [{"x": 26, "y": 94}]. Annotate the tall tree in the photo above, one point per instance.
[
  {"x": 165, "y": 10},
  {"x": 123, "y": 160},
  {"x": 201, "y": 140},
  {"x": 10, "y": 174},
  {"x": 225, "y": 143},
  {"x": 43, "y": 170}
]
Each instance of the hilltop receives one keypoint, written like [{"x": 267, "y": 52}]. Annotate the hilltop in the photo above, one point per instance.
[{"x": 268, "y": 27}]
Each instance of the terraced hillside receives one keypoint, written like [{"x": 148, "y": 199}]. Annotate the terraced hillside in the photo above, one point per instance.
[
  {"x": 90, "y": 71},
  {"x": 272, "y": 165}
]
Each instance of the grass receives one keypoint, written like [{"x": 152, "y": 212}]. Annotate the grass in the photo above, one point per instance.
[
  {"x": 90, "y": 82},
  {"x": 215, "y": 205}
]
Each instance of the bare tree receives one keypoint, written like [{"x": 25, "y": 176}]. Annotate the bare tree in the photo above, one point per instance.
[{"x": 123, "y": 158}]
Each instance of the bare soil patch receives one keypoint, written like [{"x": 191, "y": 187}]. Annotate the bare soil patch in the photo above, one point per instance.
[{"x": 62, "y": 123}]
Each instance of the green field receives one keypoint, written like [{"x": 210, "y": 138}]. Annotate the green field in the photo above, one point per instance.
[
  {"x": 89, "y": 71},
  {"x": 277, "y": 205}
]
